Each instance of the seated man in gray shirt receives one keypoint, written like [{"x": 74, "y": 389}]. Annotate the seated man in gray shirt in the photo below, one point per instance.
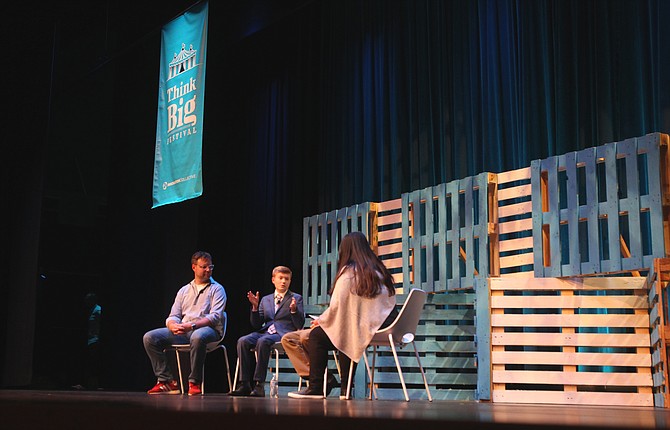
[{"x": 195, "y": 319}]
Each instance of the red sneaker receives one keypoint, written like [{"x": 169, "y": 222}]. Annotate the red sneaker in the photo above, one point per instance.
[
  {"x": 194, "y": 389},
  {"x": 165, "y": 388}
]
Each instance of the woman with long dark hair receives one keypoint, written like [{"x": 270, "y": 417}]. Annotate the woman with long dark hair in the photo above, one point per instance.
[{"x": 362, "y": 300}]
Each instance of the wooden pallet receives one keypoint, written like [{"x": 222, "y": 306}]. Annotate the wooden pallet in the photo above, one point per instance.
[
  {"x": 594, "y": 209},
  {"x": 445, "y": 340},
  {"x": 445, "y": 232},
  {"x": 321, "y": 239},
  {"x": 513, "y": 240},
  {"x": 658, "y": 280},
  {"x": 389, "y": 241},
  {"x": 570, "y": 341}
]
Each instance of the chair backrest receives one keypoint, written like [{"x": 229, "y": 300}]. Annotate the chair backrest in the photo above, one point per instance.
[
  {"x": 224, "y": 321},
  {"x": 405, "y": 324}
]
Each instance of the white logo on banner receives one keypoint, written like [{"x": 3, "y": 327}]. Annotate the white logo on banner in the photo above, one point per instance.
[{"x": 181, "y": 117}]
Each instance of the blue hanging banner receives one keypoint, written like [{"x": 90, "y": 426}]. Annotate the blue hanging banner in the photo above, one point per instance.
[{"x": 181, "y": 96}]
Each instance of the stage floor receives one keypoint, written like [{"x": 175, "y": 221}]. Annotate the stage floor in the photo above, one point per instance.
[{"x": 31, "y": 409}]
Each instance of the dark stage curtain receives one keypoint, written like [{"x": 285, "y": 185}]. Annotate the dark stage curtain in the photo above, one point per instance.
[{"x": 416, "y": 93}]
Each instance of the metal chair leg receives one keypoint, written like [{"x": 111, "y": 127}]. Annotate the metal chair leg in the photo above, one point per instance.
[
  {"x": 371, "y": 372},
  {"x": 225, "y": 356},
  {"x": 397, "y": 365},
  {"x": 325, "y": 383},
  {"x": 181, "y": 379},
  {"x": 203, "y": 378},
  {"x": 423, "y": 374},
  {"x": 237, "y": 369},
  {"x": 349, "y": 379}
]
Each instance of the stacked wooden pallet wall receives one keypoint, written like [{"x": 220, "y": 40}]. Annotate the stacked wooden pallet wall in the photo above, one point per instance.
[{"x": 596, "y": 212}]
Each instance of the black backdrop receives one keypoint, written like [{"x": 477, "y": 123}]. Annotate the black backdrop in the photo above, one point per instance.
[{"x": 310, "y": 106}]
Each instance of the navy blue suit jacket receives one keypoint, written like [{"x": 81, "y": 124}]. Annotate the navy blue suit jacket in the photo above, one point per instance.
[{"x": 283, "y": 319}]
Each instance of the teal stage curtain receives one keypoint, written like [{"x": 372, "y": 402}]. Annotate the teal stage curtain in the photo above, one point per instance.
[{"x": 384, "y": 97}]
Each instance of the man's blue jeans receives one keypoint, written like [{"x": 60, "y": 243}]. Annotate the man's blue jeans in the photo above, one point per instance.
[{"x": 155, "y": 342}]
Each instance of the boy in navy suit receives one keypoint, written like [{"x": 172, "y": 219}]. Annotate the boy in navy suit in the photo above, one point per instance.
[{"x": 272, "y": 316}]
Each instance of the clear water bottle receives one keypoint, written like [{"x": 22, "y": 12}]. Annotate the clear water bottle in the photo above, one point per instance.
[{"x": 274, "y": 387}]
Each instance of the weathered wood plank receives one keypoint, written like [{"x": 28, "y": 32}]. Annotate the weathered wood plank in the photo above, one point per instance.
[
  {"x": 572, "y": 398},
  {"x": 608, "y": 210},
  {"x": 451, "y": 298},
  {"x": 448, "y": 314},
  {"x": 572, "y": 378},
  {"x": 607, "y": 283},
  {"x": 514, "y": 192},
  {"x": 386, "y": 235},
  {"x": 428, "y": 362},
  {"x": 571, "y": 339},
  {"x": 514, "y": 175},
  {"x": 446, "y": 330},
  {"x": 432, "y": 378},
  {"x": 655, "y": 146},
  {"x": 570, "y": 320},
  {"x": 570, "y": 215},
  {"x": 389, "y": 219},
  {"x": 551, "y": 220},
  {"x": 515, "y": 209},
  {"x": 627, "y": 150},
  {"x": 572, "y": 359},
  {"x": 516, "y": 260},
  {"x": 516, "y": 275},
  {"x": 574, "y": 302},
  {"x": 515, "y": 226},
  {"x": 516, "y": 244},
  {"x": 389, "y": 249},
  {"x": 589, "y": 211},
  {"x": 430, "y": 346},
  {"x": 393, "y": 263},
  {"x": 389, "y": 205}
]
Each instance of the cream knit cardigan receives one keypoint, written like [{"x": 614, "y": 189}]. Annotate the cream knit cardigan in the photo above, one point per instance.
[{"x": 350, "y": 320}]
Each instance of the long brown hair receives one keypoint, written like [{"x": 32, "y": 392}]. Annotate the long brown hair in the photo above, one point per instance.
[{"x": 368, "y": 269}]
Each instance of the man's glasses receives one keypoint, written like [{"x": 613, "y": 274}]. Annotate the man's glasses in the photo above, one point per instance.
[{"x": 210, "y": 267}]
